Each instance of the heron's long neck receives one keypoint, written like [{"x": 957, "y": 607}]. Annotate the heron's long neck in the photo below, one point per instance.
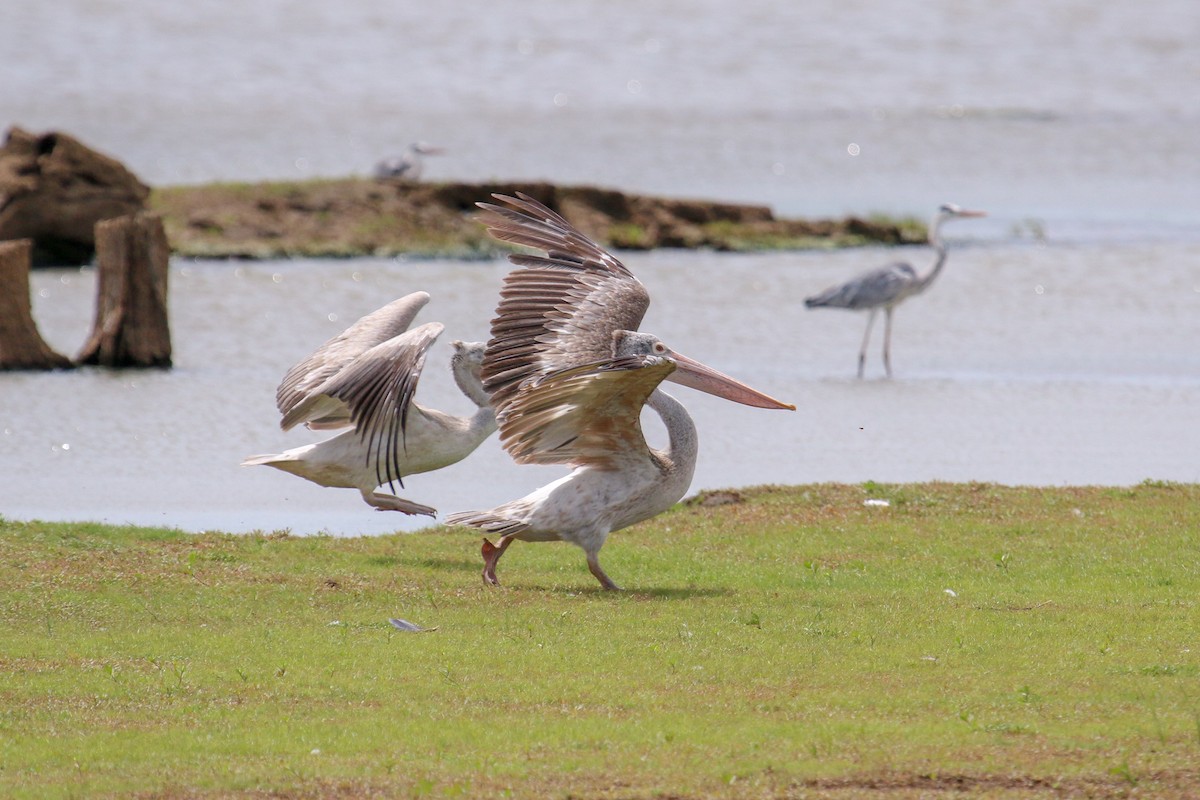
[
  {"x": 939, "y": 247},
  {"x": 683, "y": 445}
]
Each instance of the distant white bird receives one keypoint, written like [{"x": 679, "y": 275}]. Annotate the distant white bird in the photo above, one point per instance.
[
  {"x": 365, "y": 378},
  {"x": 569, "y": 374},
  {"x": 409, "y": 165},
  {"x": 886, "y": 287}
]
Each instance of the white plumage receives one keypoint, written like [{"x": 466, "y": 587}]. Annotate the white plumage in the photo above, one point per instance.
[{"x": 364, "y": 380}]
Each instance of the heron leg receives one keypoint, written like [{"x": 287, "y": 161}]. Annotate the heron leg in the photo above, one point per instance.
[
  {"x": 491, "y": 554},
  {"x": 593, "y": 560},
  {"x": 862, "y": 351},
  {"x": 887, "y": 340}
]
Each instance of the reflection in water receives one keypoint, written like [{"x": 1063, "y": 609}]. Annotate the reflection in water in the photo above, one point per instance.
[{"x": 1095, "y": 380}]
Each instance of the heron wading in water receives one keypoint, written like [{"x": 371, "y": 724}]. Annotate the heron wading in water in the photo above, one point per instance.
[
  {"x": 568, "y": 374},
  {"x": 887, "y": 287},
  {"x": 364, "y": 379}
]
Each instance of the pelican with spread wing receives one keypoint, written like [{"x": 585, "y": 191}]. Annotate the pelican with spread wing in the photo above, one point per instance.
[
  {"x": 364, "y": 379},
  {"x": 568, "y": 374}
]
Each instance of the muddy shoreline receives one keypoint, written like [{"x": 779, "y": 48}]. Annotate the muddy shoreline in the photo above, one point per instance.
[{"x": 351, "y": 217}]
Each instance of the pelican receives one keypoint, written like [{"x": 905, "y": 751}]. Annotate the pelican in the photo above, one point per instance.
[
  {"x": 364, "y": 378},
  {"x": 568, "y": 374},
  {"x": 886, "y": 287},
  {"x": 409, "y": 165}
]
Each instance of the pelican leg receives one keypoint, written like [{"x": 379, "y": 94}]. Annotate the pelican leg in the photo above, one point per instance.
[
  {"x": 887, "y": 340},
  {"x": 491, "y": 554},
  {"x": 388, "y": 502},
  {"x": 593, "y": 560},
  {"x": 862, "y": 351}
]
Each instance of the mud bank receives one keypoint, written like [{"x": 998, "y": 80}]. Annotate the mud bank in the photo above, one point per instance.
[{"x": 360, "y": 216}]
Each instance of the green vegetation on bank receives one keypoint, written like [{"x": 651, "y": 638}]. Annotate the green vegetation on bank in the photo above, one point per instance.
[
  {"x": 347, "y": 217},
  {"x": 945, "y": 640}
]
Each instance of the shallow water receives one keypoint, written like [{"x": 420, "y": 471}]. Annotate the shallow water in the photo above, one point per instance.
[
  {"x": 1058, "y": 348},
  {"x": 1024, "y": 364}
]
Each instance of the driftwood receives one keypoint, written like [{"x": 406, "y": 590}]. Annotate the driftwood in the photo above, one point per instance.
[
  {"x": 54, "y": 189},
  {"x": 21, "y": 345},
  {"x": 131, "y": 328}
]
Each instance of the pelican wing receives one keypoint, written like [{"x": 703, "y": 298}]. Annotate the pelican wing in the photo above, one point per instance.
[
  {"x": 869, "y": 290},
  {"x": 333, "y": 356},
  {"x": 587, "y": 415},
  {"x": 377, "y": 390},
  {"x": 559, "y": 310}
]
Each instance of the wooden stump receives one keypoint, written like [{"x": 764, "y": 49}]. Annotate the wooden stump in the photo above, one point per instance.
[
  {"x": 54, "y": 189},
  {"x": 21, "y": 346},
  {"x": 131, "y": 327}
]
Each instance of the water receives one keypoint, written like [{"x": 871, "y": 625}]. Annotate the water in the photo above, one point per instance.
[
  {"x": 1025, "y": 365},
  {"x": 1068, "y": 111},
  {"x": 1058, "y": 348}
]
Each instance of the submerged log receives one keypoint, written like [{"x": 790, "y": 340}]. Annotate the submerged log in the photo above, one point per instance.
[
  {"x": 131, "y": 327},
  {"x": 21, "y": 345}
]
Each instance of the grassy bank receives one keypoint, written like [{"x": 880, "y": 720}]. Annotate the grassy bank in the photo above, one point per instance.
[
  {"x": 962, "y": 640},
  {"x": 363, "y": 217}
]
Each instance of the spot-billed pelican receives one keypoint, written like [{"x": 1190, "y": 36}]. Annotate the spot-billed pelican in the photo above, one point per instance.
[
  {"x": 568, "y": 374},
  {"x": 364, "y": 378}
]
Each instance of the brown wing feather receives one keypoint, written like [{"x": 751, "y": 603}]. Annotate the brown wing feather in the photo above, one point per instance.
[
  {"x": 530, "y": 223},
  {"x": 559, "y": 310},
  {"x": 589, "y": 415}
]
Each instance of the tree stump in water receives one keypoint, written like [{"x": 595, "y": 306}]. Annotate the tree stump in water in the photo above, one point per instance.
[
  {"x": 54, "y": 189},
  {"x": 21, "y": 346},
  {"x": 131, "y": 327}
]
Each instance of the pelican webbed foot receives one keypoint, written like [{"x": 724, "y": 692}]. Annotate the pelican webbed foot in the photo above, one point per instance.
[
  {"x": 389, "y": 502},
  {"x": 491, "y": 554}
]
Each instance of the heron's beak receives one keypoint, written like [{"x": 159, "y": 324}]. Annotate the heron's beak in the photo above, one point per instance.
[
  {"x": 695, "y": 375},
  {"x": 970, "y": 213},
  {"x": 430, "y": 150}
]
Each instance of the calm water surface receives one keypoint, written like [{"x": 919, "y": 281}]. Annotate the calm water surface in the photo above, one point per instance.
[
  {"x": 1069, "y": 111},
  {"x": 1060, "y": 346}
]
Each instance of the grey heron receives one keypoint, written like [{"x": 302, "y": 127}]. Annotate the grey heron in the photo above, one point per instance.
[{"x": 888, "y": 286}]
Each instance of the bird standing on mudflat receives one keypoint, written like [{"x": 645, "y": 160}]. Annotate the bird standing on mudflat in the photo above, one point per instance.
[
  {"x": 886, "y": 287},
  {"x": 409, "y": 165},
  {"x": 364, "y": 379},
  {"x": 568, "y": 375}
]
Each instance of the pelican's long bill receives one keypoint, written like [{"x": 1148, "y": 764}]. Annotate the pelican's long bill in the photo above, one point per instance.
[{"x": 695, "y": 375}]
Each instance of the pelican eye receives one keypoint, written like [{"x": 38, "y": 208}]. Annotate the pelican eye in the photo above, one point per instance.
[{"x": 660, "y": 348}]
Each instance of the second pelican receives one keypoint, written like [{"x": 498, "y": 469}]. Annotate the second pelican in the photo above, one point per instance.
[{"x": 365, "y": 377}]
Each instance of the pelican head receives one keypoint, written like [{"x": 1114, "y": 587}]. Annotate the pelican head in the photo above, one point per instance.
[
  {"x": 691, "y": 373},
  {"x": 467, "y": 356},
  {"x": 465, "y": 365}
]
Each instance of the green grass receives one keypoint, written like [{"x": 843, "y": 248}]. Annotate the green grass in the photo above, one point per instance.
[{"x": 798, "y": 643}]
